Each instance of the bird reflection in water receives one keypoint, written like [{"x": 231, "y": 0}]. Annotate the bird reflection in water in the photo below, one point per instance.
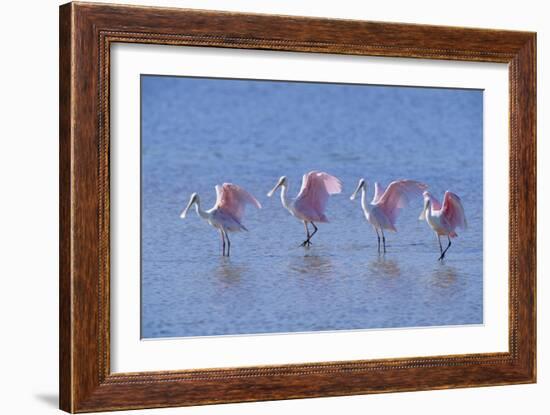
[
  {"x": 383, "y": 266},
  {"x": 316, "y": 265},
  {"x": 228, "y": 272},
  {"x": 444, "y": 276}
]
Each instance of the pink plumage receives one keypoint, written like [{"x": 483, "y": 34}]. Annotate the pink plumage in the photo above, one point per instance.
[
  {"x": 378, "y": 192},
  {"x": 226, "y": 215},
  {"x": 232, "y": 200},
  {"x": 397, "y": 196},
  {"x": 312, "y": 200},
  {"x": 310, "y": 204},
  {"x": 384, "y": 208},
  {"x": 444, "y": 219},
  {"x": 452, "y": 212},
  {"x": 435, "y": 203}
]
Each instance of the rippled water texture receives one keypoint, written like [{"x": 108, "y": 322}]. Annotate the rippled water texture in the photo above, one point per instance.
[{"x": 197, "y": 133}]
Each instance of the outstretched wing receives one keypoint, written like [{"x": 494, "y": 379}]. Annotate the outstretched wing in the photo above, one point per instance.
[
  {"x": 435, "y": 203},
  {"x": 232, "y": 200},
  {"x": 378, "y": 192},
  {"x": 453, "y": 211},
  {"x": 314, "y": 194},
  {"x": 398, "y": 195}
]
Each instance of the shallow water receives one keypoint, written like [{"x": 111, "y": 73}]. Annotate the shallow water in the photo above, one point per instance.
[{"x": 197, "y": 133}]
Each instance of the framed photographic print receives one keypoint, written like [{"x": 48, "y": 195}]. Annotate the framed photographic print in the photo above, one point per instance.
[{"x": 259, "y": 207}]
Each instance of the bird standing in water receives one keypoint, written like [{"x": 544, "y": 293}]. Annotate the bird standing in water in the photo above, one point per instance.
[
  {"x": 227, "y": 213},
  {"x": 444, "y": 219},
  {"x": 384, "y": 208},
  {"x": 310, "y": 204}
]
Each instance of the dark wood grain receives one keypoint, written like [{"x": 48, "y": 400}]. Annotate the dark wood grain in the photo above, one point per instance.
[
  {"x": 65, "y": 249},
  {"x": 86, "y": 33}
]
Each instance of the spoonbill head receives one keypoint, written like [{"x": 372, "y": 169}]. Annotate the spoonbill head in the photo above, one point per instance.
[
  {"x": 192, "y": 200},
  {"x": 361, "y": 185},
  {"x": 281, "y": 182}
]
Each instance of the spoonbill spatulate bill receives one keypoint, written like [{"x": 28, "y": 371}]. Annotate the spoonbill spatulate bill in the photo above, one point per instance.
[
  {"x": 227, "y": 214},
  {"x": 310, "y": 204},
  {"x": 444, "y": 219},
  {"x": 384, "y": 208}
]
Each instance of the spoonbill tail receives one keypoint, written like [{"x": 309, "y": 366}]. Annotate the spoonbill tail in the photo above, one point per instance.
[
  {"x": 444, "y": 219},
  {"x": 227, "y": 213},
  {"x": 382, "y": 211},
  {"x": 310, "y": 204}
]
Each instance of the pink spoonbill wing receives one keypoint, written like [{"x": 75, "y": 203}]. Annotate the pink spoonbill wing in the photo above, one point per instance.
[
  {"x": 435, "y": 203},
  {"x": 314, "y": 194},
  {"x": 453, "y": 211},
  {"x": 397, "y": 196},
  {"x": 232, "y": 199},
  {"x": 378, "y": 192}
]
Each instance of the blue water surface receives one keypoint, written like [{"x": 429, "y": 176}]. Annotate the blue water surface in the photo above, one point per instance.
[{"x": 199, "y": 132}]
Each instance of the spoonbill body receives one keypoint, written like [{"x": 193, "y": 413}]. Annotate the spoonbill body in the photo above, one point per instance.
[
  {"x": 310, "y": 204},
  {"x": 227, "y": 214},
  {"x": 384, "y": 208},
  {"x": 444, "y": 219}
]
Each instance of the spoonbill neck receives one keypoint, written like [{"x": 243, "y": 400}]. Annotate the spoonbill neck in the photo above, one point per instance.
[
  {"x": 432, "y": 216},
  {"x": 364, "y": 204},
  {"x": 284, "y": 197},
  {"x": 203, "y": 214}
]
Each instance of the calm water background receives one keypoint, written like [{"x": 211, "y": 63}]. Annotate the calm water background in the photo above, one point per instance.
[{"x": 197, "y": 133}]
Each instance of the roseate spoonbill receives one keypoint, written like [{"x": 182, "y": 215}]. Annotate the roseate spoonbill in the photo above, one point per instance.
[
  {"x": 382, "y": 211},
  {"x": 309, "y": 206},
  {"x": 227, "y": 213},
  {"x": 444, "y": 219}
]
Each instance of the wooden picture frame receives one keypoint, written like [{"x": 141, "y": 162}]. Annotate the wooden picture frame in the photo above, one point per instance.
[{"x": 86, "y": 33}]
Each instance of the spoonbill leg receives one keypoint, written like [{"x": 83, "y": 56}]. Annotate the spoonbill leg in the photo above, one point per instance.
[
  {"x": 308, "y": 236},
  {"x": 378, "y": 235},
  {"x": 223, "y": 242},
  {"x": 383, "y": 239},
  {"x": 228, "y": 242},
  {"x": 315, "y": 228},
  {"x": 446, "y": 249}
]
